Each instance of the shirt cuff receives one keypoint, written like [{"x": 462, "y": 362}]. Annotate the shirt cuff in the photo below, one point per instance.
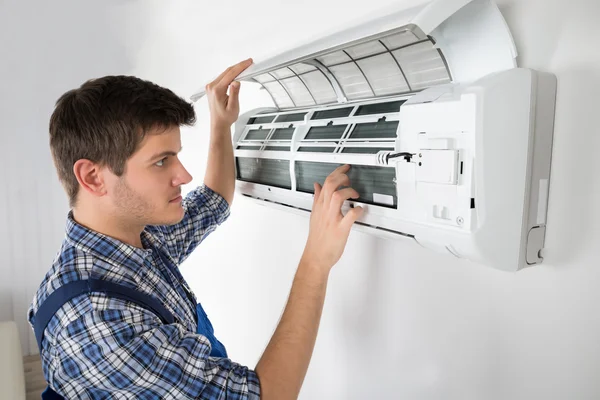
[
  {"x": 253, "y": 386},
  {"x": 206, "y": 197}
]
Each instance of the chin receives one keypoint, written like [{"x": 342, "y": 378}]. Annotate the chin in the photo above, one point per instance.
[
  {"x": 176, "y": 219},
  {"x": 169, "y": 218}
]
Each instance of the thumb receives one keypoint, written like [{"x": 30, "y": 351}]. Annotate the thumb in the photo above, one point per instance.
[
  {"x": 234, "y": 95},
  {"x": 351, "y": 217}
]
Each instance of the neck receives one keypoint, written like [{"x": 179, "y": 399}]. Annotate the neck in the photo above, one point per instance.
[{"x": 116, "y": 227}]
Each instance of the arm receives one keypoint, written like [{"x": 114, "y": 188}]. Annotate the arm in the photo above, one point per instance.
[
  {"x": 205, "y": 210},
  {"x": 208, "y": 206},
  {"x": 220, "y": 169},
  {"x": 284, "y": 363},
  {"x": 224, "y": 111}
]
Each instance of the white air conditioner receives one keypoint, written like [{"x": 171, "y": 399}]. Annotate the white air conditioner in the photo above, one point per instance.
[{"x": 449, "y": 142}]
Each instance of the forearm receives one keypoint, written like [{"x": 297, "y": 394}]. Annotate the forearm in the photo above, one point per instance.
[
  {"x": 220, "y": 169},
  {"x": 284, "y": 363}
]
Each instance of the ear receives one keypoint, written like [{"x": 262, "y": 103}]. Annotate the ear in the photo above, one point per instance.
[{"x": 90, "y": 177}]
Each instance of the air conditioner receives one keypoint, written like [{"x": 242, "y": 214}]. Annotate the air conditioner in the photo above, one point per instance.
[{"x": 450, "y": 143}]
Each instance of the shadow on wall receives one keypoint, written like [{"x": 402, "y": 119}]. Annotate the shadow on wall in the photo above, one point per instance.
[
  {"x": 575, "y": 166},
  {"x": 560, "y": 42},
  {"x": 536, "y": 43}
]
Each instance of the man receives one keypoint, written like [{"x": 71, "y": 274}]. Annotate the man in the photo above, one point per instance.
[{"x": 140, "y": 334}]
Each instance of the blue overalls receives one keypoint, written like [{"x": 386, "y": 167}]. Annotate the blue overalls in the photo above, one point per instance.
[{"x": 70, "y": 290}]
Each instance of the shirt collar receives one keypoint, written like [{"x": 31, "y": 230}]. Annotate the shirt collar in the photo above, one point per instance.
[{"x": 105, "y": 247}]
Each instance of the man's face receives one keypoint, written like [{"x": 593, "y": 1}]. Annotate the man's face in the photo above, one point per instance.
[{"x": 149, "y": 191}]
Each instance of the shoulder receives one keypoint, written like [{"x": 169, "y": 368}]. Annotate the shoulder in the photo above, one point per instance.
[{"x": 70, "y": 264}]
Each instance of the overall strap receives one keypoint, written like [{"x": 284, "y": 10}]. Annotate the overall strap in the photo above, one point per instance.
[{"x": 73, "y": 289}]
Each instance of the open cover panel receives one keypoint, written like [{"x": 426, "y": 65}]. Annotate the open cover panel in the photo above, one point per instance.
[
  {"x": 425, "y": 104},
  {"x": 403, "y": 52},
  {"x": 394, "y": 64}
]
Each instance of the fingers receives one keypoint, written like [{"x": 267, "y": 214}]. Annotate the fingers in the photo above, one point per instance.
[
  {"x": 218, "y": 78},
  {"x": 234, "y": 96},
  {"x": 339, "y": 197},
  {"x": 317, "y": 193},
  {"x": 342, "y": 169},
  {"x": 336, "y": 179},
  {"x": 227, "y": 76},
  {"x": 234, "y": 71},
  {"x": 351, "y": 217},
  {"x": 225, "y": 107}
]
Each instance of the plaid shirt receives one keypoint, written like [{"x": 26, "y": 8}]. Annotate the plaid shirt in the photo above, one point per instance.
[{"x": 100, "y": 347}]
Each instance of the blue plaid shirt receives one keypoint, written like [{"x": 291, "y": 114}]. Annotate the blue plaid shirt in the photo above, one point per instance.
[{"x": 97, "y": 347}]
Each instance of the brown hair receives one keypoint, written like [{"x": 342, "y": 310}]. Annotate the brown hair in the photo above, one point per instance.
[{"x": 106, "y": 119}]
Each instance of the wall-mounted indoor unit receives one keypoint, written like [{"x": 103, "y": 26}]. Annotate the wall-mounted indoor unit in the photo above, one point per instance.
[{"x": 449, "y": 141}]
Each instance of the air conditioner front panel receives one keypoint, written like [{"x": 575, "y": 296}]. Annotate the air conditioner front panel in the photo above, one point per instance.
[
  {"x": 448, "y": 141},
  {"x": 467, "y": 190}
]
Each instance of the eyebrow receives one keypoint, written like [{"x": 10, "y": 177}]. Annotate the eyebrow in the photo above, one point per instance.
[{"x": 164, "y": 154}]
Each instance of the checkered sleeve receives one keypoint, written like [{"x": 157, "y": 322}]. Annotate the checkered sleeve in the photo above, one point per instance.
[
  {"x": 128, "y": 354},
  {"x": 205, "y": 209}
]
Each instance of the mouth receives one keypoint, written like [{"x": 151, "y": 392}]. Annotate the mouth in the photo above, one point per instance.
[{"x": 176, "y": 199}]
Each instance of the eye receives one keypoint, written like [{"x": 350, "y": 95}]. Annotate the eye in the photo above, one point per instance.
[{"x": 161, "y": 163}]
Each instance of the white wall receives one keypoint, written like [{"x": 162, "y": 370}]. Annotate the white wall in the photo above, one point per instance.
[
  {"x": 46, "y": 48},
  {"x": 399, "y": 321}
]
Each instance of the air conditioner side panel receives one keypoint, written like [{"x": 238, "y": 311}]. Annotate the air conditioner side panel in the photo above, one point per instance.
[
  {"x": 507, "y": 124},
  {"x": 504, "y": 137},
  {"x": 541, "y": 165}
]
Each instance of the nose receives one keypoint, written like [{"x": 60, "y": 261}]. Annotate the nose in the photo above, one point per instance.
[{"x": 182, "y": 177}]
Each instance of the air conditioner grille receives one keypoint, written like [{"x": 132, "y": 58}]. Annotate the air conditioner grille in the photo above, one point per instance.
[
  {"x": 265, "y": 171},
  {"x": 371, "y": 183}
]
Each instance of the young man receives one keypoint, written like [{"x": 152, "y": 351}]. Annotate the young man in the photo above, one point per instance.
[{"x": 113, "y": 317}]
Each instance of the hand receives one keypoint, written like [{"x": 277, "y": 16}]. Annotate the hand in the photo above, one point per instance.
[
  {"x": 329, "y": 228},
  {"x": 224, "y": 108}
]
